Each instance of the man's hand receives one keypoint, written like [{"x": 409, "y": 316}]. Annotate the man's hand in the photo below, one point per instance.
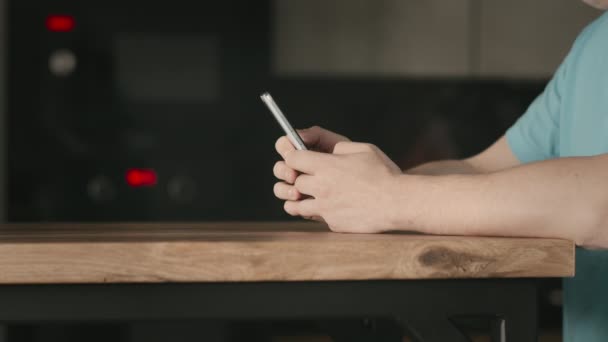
[
  {"x": 351, "y": 189},
  {"x": 316, "y": 139}
]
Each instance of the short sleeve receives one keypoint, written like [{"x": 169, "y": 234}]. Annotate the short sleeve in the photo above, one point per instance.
[{"x": 535, "y": 136}]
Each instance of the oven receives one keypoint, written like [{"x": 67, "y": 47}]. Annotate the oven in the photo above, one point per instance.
[{"x": 135, "y": 110}]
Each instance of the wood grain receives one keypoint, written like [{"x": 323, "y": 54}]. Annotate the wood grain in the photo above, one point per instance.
[{"x": 246, "y": 252}]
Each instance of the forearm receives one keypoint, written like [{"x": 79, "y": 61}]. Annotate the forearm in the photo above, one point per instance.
[
  {"x": 443, "y": 167},
  {"x": 562, "y": 198}
]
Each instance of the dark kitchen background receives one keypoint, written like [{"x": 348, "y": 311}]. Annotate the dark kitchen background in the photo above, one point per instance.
[{"x": 138, "y": 110}]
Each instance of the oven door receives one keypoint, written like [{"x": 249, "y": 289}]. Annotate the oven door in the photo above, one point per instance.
[{"x": 98, "y": 88}]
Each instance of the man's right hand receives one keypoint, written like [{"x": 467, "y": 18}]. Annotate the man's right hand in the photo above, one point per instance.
[{"x": 316, "y": 139}]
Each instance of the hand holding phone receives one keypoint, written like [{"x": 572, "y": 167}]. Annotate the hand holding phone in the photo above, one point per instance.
[{"x": 291, "y": 133}]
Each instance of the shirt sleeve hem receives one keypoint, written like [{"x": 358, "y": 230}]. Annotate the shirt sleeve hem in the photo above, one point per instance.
[{"x": 515, "y": 142}]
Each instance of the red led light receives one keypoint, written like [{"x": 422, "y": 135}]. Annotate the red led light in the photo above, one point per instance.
[
  {"x": 60, "y": 23},
  {"x": 141, "y": 177}
]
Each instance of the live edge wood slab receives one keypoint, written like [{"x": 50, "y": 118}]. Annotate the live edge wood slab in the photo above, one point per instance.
[{"x": 253, "y": 252}]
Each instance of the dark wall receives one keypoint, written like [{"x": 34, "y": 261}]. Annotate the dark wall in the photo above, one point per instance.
[{"x": 175, "y": 89}]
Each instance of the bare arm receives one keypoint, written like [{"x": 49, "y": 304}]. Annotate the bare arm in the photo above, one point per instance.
[
  {"x": 562, "y": 198},
  {"x": 496, "y": 157},
  {"x": 492, "y": 194},
  {"x": 358, "y": 189}
]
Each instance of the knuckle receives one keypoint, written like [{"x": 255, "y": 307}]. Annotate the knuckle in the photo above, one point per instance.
[
  {"x": 316, "y": 128},
  {"x": 289, "y": 157},
  {"x": 340, "y": 145},
  {"x": 301, "y": 184},
  {"x": 298, "y": 183},
  {"x": 290, "y": 175},
  {"x": 284, "y": 172},
  {"x": 294, "y": 194}
]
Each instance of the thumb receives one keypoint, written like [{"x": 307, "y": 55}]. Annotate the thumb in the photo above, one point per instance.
[
  {"x": 311, "y": 136},
  {"x": 320, "y": 139},
  {"x": 348, "y": 147}
]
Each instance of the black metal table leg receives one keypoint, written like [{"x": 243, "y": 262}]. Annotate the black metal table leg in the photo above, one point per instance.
[
  {"x": 498, "y": 330},
  {"x": 521, "y": 324},
  {"x": 434, "y": 329}
]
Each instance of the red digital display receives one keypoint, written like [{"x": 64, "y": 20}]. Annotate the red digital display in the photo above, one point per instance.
[
  {"x": 141, "y": 177},
  {"x": 60, "y": 23}
]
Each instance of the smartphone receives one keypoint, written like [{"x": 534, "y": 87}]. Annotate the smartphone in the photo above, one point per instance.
[{"x": 291, "y": 133}]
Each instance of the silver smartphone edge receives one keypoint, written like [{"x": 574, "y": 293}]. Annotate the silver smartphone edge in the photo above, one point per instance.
[{"x": 292, "y": 135}]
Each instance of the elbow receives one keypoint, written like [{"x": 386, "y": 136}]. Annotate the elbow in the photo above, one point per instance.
[
  {"x": 595, "y": 236},
  {"x": 592, "y": 231}
]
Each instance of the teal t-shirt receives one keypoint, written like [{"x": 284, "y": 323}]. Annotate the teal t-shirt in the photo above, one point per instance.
[{"x": 570, "y": 118}]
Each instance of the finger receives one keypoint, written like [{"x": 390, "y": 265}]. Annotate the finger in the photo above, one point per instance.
[
  {"x": 283, "y": 146},
  {"x": 307, "y": 185},
  {"x": 313, "y": 137},
  {"x": 320, "y": 139},
  {"x": 284, "y": 172},
  {"x": 305, "y": 208},
  {"x": 348, "y": 147},
  {"x": 285, "y": 191},
  {"x": 307, "y": 161},
  {"x": 352, "y": 147}
]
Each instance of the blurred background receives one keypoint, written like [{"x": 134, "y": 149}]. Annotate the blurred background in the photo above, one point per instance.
[{"x": 138, "y": 110}]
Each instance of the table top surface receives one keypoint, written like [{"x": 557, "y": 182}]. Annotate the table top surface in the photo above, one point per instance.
[{"x": 254, "y": 252}]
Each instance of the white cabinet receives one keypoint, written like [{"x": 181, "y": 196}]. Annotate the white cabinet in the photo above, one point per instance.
[
  {"x": 372, "y": 37},
  {"x": 528, "y": 38}
]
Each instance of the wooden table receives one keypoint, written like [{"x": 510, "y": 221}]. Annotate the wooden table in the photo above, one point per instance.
[{"x": 273, "y": 270}]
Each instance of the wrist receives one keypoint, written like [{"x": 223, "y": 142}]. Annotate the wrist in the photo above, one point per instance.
[
  {"x": 399, "y": 204},
  {"x": 414, "y": 201}
]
